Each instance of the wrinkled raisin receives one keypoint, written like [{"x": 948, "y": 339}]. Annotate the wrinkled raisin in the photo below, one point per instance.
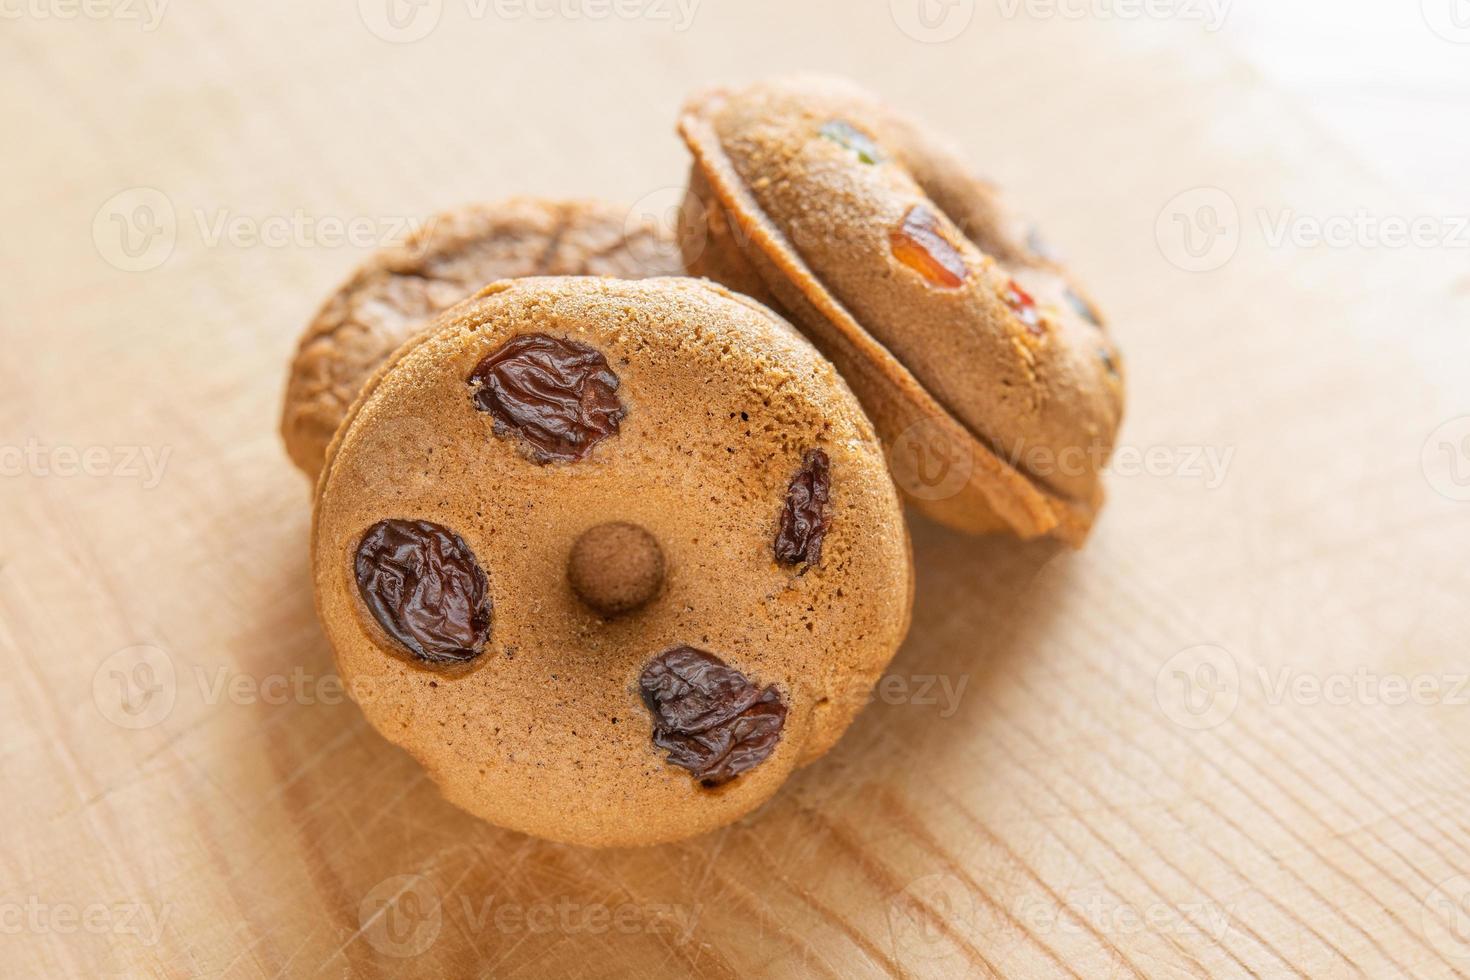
[
  {"x": 558, "y": 395},
  {"x": 849, "y": 137},
  {"x": 1084, "y": 308},
  {"x": 919, "y": 243},
  {"x": 1023, "y": 306},
  {"x": 709, "y": 717},
  {"x": 422, "y": 584},
  {"x": 804, "y": 519},
  {"x": 1110, "y": 361}
]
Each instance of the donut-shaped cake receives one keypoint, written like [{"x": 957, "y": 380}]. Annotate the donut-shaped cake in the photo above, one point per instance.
[
  {"x": 457, "y": 252},
  {"x": 610, "y": 558},
  {"x": 985, "y": 368}
]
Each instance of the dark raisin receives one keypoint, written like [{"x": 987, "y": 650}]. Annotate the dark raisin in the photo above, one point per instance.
[
  {"x": 804, "y": 519},
  {"x": 919, "y": 243},
  {"x": 1086, "y": 309},
  {"x": 848, "y": 136},
  {"x": 422, "y": 584},
  {"x": 709, "y": 717},
  {"x": 1110, "y": 361},
  {"x": 558, "y": 395}
]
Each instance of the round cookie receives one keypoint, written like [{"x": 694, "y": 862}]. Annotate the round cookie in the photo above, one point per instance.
[
  {"x": 634, "y": 557},
  {"x": 983, "y": 366},
  {"x": 398, "y": 289}
]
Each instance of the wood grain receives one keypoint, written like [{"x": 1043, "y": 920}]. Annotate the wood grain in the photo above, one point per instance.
[{"x": 1179, "y": 752}]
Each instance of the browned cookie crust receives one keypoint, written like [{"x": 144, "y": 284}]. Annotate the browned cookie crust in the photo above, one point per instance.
[
  {"x": 910, "y": 273},
  {"x": 398, "y": 289},
  {"x": 567, "y": 691}
]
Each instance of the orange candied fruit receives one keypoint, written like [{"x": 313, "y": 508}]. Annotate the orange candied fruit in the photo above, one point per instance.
[{"x": 920, "y": 244}]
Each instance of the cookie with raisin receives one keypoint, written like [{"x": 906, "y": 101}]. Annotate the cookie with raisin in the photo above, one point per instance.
[
  {"x": 611, "y": 558},
  {"x": 396, "y": 291}
]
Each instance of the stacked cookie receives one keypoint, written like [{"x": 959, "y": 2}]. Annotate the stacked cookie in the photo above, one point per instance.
[{"x": 612, "y": 551}]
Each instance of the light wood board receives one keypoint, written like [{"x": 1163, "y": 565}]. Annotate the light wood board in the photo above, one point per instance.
[{"x": 1175, "y": 753}]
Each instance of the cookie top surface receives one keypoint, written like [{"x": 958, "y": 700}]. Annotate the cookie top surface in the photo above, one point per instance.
[
  {"x": 499, "y": 445},
  {"x": 883, "y": 222},
  {"x": 397, "y": 290}
]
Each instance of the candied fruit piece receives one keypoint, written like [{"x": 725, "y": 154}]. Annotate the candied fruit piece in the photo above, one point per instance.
[
  {"x": 848, "y": 136},
  {"x": 1023, "y": 306},
  {"x": 919, "y": 243}
]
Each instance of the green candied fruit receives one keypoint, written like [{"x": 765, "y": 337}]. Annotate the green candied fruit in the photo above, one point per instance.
[{"x": 846, "y": 135}]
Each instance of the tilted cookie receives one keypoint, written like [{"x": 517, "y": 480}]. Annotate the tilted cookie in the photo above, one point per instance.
[
  {"x": 610, "y": 558},
  {"x": 983, "y": 366},
  {"x": 399, "y": 289}
]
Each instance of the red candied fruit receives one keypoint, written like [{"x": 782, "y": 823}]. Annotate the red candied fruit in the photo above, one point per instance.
[{"x": 1023, "y": 306}]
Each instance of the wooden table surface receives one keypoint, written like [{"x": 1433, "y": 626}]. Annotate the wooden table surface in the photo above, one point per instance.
[{"x": 1229, "y": 737}]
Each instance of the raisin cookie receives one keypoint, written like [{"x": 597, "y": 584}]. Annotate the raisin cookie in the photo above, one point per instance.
[
  {"x": 397, "y": 290},
  {"x": 986, "y": 370},
  {"x": 610, "y": 558}
]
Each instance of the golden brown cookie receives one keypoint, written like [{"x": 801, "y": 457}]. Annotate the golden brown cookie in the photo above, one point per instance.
[
  {"x": 610, "y": 558},
  {"x": 984, "y": 367},
  {"x": 398, "y": 289}
]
